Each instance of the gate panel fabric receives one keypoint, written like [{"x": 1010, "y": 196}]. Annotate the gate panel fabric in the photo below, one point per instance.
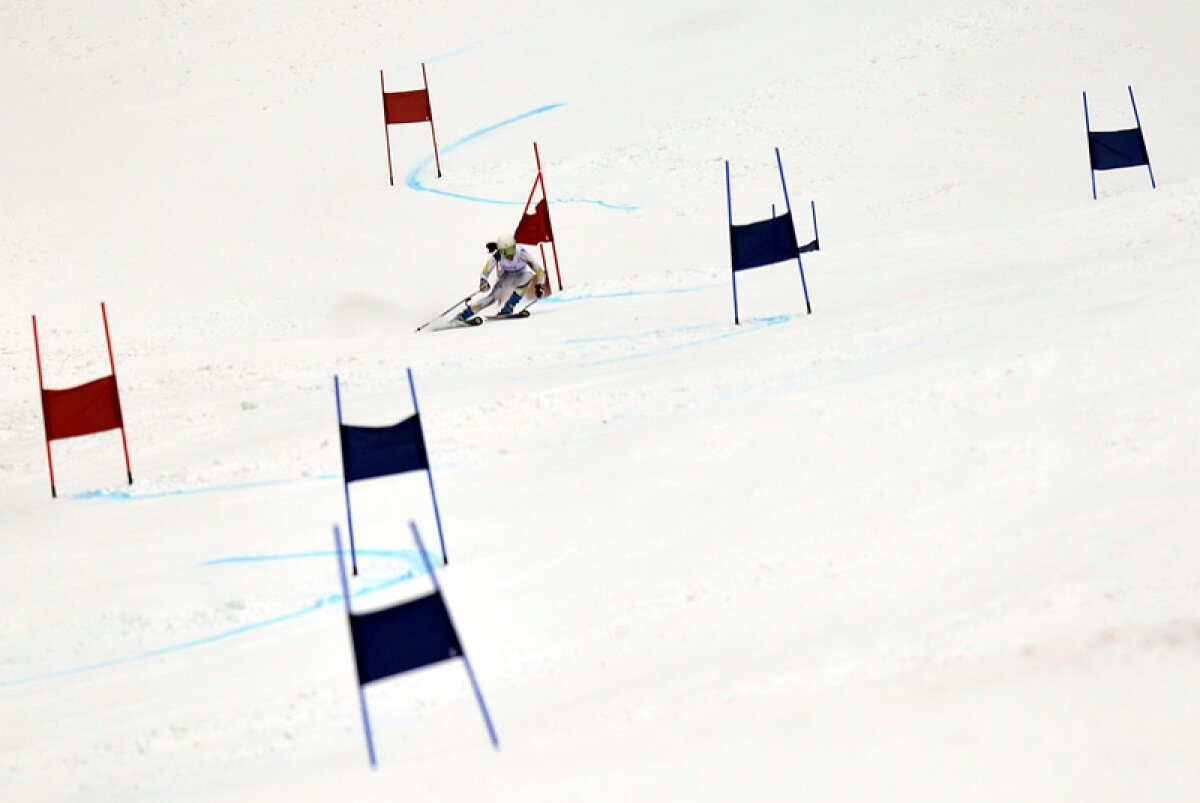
[
  {"x": 406, "y": 107},
  {"x": 405, "y": 637},
  {"x": 763, "y": 243},
  {"x": 535, "y": 228},
  {"x": 379, "y": 451},
  {"x": 1110, "y": 150},
  {"x": 82, "y": 410}
]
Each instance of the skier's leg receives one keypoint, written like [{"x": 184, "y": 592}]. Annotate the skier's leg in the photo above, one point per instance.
[
  {"x": 519, "y": 284},
  {"x": 511, "y": 304},
  {"x": 470, "y": 309}
]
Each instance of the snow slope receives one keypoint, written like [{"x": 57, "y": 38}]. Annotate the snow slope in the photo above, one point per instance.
[{"x": 936, "y": 541}]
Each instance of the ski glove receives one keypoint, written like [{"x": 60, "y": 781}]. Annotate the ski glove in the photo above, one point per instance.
[
  {"x": 540, "y": 290},
  {"x": 484, "y": 286}
]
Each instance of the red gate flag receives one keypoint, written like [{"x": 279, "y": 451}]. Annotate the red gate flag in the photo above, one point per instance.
[
  {"x": 85, "y": 409},
  {"x": 406, "y": 107},
  {"x": 534, "y": 227},
  {"x": 82, "y": 410},
  {"x": 411, "y": 106}
]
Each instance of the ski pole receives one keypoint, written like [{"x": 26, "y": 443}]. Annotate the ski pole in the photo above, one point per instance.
[{"x": 442, "y": 314}]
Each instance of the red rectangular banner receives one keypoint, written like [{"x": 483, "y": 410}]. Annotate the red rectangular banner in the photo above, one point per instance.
[
  {"x": 406, "y": 107},
  {"x": 91, "y": 407}
]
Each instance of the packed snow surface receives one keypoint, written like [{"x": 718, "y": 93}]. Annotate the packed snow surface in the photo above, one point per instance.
[{"x": 935, "y": 541}]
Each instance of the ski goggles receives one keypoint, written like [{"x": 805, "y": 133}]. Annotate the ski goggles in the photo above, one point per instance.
[{"x": 508, "y": 251}]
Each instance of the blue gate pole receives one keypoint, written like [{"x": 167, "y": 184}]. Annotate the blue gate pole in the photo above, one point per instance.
[
  {"x": 437, "y": 515},
  {"x": 788, "y": 203},
  {"x": 362, "y": 697},
  {"x": 1088, "y": 125},
  {"x": 732, "y": 251},
  {"x": 487, "y": 719},
  {"x": 337, "y": 391},
  {"x": 1138, "y": 120}
]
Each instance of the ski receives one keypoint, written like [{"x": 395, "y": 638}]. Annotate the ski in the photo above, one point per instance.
[
  {"x": 441, "y": 315},
  {"x": 501, "y": 316},
  {"x": 454, "y": 323}
]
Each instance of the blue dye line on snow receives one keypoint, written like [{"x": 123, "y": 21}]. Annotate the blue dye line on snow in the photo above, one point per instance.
[
  {"x": 413, "y": 180},
  {"x": 412, "y": 557},
  {"x": 445, "y": 55}
]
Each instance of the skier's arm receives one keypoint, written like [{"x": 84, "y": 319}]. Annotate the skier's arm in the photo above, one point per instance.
[
  {"x": 537, "y": 267},
  {"x": 488, "y": 267}
]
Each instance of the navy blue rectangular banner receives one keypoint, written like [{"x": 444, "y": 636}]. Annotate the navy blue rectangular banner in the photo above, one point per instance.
[
  {"x": 406, "y": 637},
  {"x": 1110, "y": 150},
  {"x": 763, "y": 243},
  {"x": 379, "y": 451}
]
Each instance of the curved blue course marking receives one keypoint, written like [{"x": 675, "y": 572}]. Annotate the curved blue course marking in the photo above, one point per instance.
[
  {"x": 416, "y": 568},
  {"x": 444, "y": 55},
  {"x": 410, "y": 555},
  {"x": 413, "y": 180}
]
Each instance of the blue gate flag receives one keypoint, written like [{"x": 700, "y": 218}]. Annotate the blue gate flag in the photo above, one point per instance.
[
  {"x": 400, "y": 639},
  {"x": 369, "y": 452},
  {"x": 379, "y": 451},
  {"x": 763, "y": 243},
  {"x": 767, "y": 242},
  {"x": 1110, "y": 150}
]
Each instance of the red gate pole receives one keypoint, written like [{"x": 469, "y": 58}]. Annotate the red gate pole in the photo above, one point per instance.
[
  {"x": 529, "y": 200},
  {"x": 553, "y": 247},
  {"x": 525, "y": 211},
  {"x": 386, "y": 137},
  {"x": 429, "y": 107},
  {"x": 112, "y": 364},
  {"x": 37, "y": 350}
]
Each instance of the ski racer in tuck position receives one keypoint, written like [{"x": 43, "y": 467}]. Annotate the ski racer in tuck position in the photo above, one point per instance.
[{"x": 515, "y": 270}]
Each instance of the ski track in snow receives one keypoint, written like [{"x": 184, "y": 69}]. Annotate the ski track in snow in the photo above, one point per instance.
[
  {"x": 751, "y": 326},
  {"x": 416, "y": 568},
  {"x": 241, "y": 486},
  {"x": 641, "y": 345}
]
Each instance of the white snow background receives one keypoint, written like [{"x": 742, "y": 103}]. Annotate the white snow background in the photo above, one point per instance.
[{"x": 936, "y": 541}]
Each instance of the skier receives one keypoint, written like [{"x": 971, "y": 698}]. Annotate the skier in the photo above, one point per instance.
[{"x": 515, "y": 269}]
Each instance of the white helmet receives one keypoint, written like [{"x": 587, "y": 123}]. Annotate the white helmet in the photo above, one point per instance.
[{"x": 506, "y": 245}]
